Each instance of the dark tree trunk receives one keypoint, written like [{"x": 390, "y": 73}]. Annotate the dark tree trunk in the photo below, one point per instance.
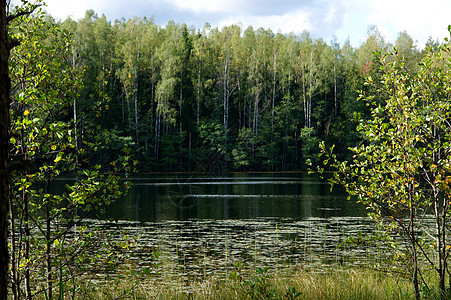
[{"x": 4, "y": 138}]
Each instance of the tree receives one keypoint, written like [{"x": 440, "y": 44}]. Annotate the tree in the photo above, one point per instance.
[
  {"x": 151, "y": 83},
  {"x": 406, "y": 48},
  {"x": 6, "y": 44},
  {"x": 4, "y": 137},
  {"x": 402, "y": 170},
  {"x": 131, "y": 35},
  {"x": 42, "y": 146},
  {"x": 374, "y": 42}
]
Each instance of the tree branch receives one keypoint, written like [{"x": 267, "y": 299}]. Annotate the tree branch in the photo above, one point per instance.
[{"x": 20, "y": 14}]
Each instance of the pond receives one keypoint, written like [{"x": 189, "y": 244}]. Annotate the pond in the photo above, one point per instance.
[{"x": 195, "y": 225}]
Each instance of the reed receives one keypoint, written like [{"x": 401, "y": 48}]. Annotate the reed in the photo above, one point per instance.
[{"x": 286, "y": 284}]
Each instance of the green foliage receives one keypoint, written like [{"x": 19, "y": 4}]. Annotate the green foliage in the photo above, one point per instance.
[
  {"x": 242, "y": 153},
  {"x": 401, "y": 171},
  {"x": 169, "y": 88},
  {"x": 50, "y": 247},
  {"x": 309, "y": 145}
]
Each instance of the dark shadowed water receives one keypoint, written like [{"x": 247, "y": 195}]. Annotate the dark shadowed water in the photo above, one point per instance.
[
  {"x": 200, "y": 225},
  {"x": 234, "y": 196}
]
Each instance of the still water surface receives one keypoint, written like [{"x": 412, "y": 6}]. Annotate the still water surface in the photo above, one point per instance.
[
  {"x": 235, "y": 196},
  {"x": 200, "y": 225}
]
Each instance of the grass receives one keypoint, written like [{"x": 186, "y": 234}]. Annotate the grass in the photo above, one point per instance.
[
  {"x": 334, "y": 284},
  {"x": 308, "y": 279}
]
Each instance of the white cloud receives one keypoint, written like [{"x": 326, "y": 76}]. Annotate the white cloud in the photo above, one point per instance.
[
  {"x": 207, "y": 6},
  {"x": 62, "y": 9},
  {"x": 296, "y": 21},
  {"x": 419, "y": 19},
  {"x": 322, "y": 18},
  {"x": 113, "y": 9},
  {"x": 331, "y": 14}
]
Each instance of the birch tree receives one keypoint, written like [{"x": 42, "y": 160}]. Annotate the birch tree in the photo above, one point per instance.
[
  {"x": 41, "y": 148},
  {"x": 402, "y": 170}
]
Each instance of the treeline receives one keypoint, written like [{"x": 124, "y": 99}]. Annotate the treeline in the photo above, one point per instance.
[{"x": 187, "y": 99}]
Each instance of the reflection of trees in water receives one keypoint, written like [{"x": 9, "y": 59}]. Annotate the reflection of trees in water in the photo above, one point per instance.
[
  {"x": 231, "y": 196},
  {"x": 182, "y": 196}
]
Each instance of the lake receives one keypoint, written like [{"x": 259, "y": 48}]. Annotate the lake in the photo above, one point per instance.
[
  {"x": 194, "y": 225},
  {"x": 234, "y": 196}
]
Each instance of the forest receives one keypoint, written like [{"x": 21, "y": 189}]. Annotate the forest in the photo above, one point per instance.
[
  {"x": 232, "y": 99},
  {"x": 92, "y": 101}
]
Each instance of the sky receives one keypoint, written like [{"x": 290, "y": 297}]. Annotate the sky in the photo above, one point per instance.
[{"x": 326, "y": 19}]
